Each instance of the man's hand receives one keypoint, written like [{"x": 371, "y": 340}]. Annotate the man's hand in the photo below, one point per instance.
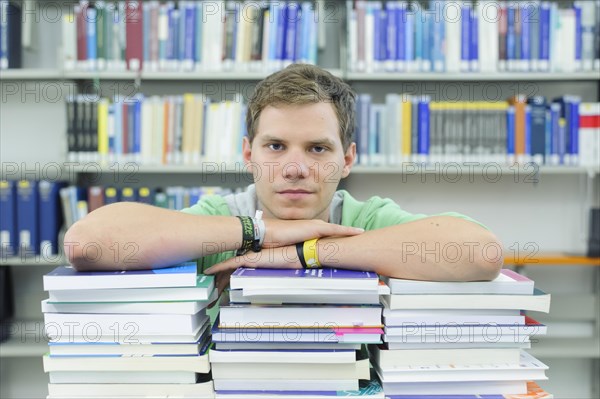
[{"x": 280, "y": 233}]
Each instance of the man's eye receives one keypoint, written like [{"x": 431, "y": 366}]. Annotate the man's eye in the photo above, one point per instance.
[
  {"x": 319, "y": 149},
  {"x": 275, "y": 146}
]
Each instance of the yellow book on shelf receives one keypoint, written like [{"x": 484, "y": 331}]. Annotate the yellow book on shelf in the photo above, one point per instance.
[
  {"x": 406, "y": 127},
  {"x": 103, "y": 128}
]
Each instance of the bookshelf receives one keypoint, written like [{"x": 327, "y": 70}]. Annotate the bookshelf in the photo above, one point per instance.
[{"x": 548, "y": 210}]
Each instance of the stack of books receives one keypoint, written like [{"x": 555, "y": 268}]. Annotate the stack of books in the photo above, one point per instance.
[
  {"x": 128, "y": 333},
  {"x": 460, "y": 338},
  {"x": 297, "y": 333}
]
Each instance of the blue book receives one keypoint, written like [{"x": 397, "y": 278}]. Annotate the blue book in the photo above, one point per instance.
[
  {"x": 578, "y": 33},
  {"x": 51, "y": 217},
  {"x": 181, "y": 34},
  {"x": 176, "y": 30},
  {"x": 554, "y": 122},
  {"x": 423, "y": 132},
  {"x": 67, "y": 278},
  {"x": 335, "y": 279},
  {"x": 534, "y": 34},
  {"x": 8, "y": 218},
  {"x": 280, "y": 38},
  {"x": 511, "y": 46},
  {"x": 128, "y": 194},
  {"x": 27, "y": 216},
  {"x": 391, "y": 48},
  {"x": 574, "y": 129},
  {"x": 137, "y": 124},
  {"x": 91, "y": 19},
  {"x": 544, "y": 38},
  {"x": 548, "y": 137},
  {"x": 198, "y": 18},
  {"x": 110, "y": 195},
  {"x": 171, "y": 35},
  {"x": 418, "y": 41},
  {"x": 401, "y": 32},
  {"x": 526, "y": 18},
  {"x": 427, "y": 42},
  {"x": 465, "y": 33},
  {"x": 537, "y": 127},
  {"x": 409, "y": 40},
  {"x": 190, "y": 33},
  {"x": 145, "y": 195},
  {"x": 438, "y": 57},
  {"x": 362, "y": 135},
  {"x": 510, "y": 131},
  {"x": 291, "y": 32},
  {"x": 474, "y": 42},
  {"x": 527, "y": 150}
]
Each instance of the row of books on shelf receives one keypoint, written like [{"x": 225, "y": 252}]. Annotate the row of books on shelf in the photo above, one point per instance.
[
  {"x": 384, "y": 36},
  {"x": 32, "y": 213},
  {"x": 486, "y": 36},
  {"x": 190, "y": 130},
  {"x": 189, "y": 35},
  {"x": 284, "y": 333}
]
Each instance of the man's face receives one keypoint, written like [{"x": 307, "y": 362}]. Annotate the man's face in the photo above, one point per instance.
[{"x": 297, "y": 160}]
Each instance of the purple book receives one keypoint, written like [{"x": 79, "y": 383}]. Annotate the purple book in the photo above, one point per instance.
[{"x": 332, "y": 279}]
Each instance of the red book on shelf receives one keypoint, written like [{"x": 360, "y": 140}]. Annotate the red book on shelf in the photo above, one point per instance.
[
  {"x": 134, "y": 30},
  {"x": 81, "y": 26}
]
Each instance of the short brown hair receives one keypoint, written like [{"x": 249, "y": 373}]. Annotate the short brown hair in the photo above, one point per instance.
[{"x": 300, "y": 84}]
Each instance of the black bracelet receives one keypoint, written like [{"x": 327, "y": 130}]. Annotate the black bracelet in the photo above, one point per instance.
[
  {"x": 247, "y": 235},
  {"x": 300, "y": 252}
]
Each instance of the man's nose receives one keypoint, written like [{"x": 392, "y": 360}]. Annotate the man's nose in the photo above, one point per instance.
[{"x": 296, "y": 166}]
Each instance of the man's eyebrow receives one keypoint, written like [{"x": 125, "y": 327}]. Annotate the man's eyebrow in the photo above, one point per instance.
[
  {"x": 323, "y": 141},
  {"x": 272, "y": 138}
]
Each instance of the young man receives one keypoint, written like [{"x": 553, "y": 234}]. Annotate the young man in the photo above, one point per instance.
[{"x": 300, "y": 123}]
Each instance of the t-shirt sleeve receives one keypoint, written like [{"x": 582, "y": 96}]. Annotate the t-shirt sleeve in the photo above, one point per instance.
[
  {"x": 377, "y": 213},
  {"x": 216, "y": 206}
]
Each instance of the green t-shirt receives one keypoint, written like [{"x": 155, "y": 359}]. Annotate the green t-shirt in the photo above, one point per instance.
[{"x": 375, "y": 213}]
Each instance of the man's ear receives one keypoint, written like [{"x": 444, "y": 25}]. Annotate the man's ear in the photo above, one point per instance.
[
  {"x": 349, "y": 158},
  {"x": 246, "y": 150}
]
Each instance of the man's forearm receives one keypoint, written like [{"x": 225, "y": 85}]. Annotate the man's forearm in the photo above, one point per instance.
[
  {"x": 442, "y": 248},
  {"x": 137, "y": 236}
]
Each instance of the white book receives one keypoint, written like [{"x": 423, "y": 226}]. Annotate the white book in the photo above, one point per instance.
[
  {"x": 131, "y": 349},
  {"x": 146, "y": 139},
  {"x": 528, "y": 368},
  {"x": 452, "y": 13},
  {"x": 171, "y": 307},
  {"x": 244, "y": 384},
  {"x": 197, "y": 364},
  {"x": 443, "y": 317},
  {"x": 539, "y": 302},
  {"x": 314, "y": 296},
  {"x": 455, "y": 388},
  {"x": 201, "y": 292},
  {"x": 280, "y": 357},
  {"x": 122, "y": 377},
  {"x": 507, "y": 282},
  {"x": 564, "y": 57},
  {"x": 589, "y": 135},
  {"x": 69, "y": 41},
  {"x": 254, "y": 346},
  {"x": 369, "y": 38},
  {"x": 132, "y": 337},
  {"x": 300, "y": 316},
  {"x": 488, "y": 36},
  {"x": 448, "y": 332},
  {"x": 302, "y": 371},
  {"x": 387, "y": 359},
  {"x": 191, "y": 390},
  {"x": 458, "y": 345},
  {"x": 456, "y": 337},
  {"x": 93, "y": 325}
]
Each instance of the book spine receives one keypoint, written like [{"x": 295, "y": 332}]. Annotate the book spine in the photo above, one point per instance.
[
  {"x": 465, "y": 41},
  {"x": 526, "y": 18},
  {"x": 544, "y": 38},
  {"x": 474, "y": 41},
  {"x": 91, "y": 39},
  {"x": 27, "y": 216},
  {"x": 510, "y": 135},
  {"x": 578, "y": 36},
  {"x": 423, "y": 132},
  {"x": 502, "y": 38},
  {"x": 8, "y": 218},
  {"x": 134, "y": 47}
]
